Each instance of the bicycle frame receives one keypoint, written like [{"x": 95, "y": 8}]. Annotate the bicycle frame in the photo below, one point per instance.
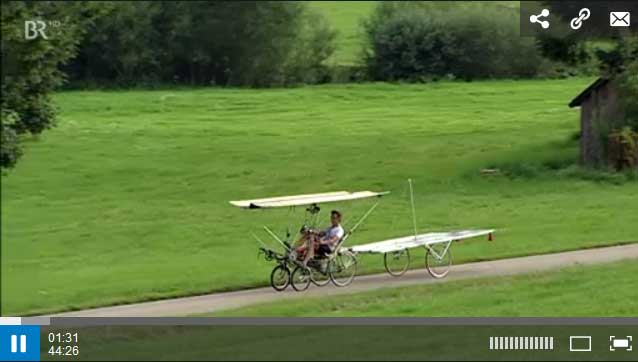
[{"x": 445, "y": 250}]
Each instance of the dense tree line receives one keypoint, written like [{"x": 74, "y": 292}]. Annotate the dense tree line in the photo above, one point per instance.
[{"x": 259, "y": 43}]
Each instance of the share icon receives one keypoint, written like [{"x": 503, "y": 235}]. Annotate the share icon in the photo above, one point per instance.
[{"x": 537, "y": 19}]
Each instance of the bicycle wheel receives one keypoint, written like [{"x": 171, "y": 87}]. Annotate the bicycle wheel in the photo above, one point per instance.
[
  {"x": 397, "y": 262},
  {"x": 280, "y": 277},
  {"x": 317, "y": 277},
  {"x": 438, "y": 268},
  {"x": 342, "y": 269},
  {"x": 300, "y": 278}
]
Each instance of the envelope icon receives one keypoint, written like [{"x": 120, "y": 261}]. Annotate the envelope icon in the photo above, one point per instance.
[{"x": 619, "y": 18}]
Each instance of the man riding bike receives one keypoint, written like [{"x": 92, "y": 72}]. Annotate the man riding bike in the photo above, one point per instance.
[{"x": 321, "y": 242}]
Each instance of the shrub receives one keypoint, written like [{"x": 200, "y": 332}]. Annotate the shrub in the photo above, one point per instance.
[
  {"x": 622, "y": 149},
  {"x": 313, "y": 46},
  {"x": 419, "y": 41}
]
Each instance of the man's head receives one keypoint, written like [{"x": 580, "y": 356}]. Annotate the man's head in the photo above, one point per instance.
[{"x": 335, "y": 217}]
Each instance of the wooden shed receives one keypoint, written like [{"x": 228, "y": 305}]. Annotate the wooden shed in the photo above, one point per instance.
[{"x": 600, "y": 113}]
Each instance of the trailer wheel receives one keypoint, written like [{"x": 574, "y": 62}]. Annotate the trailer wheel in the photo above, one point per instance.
[
  {"x": 280, "y": 277},
  {"x": 396, "y": 263},
  {"x": 438, "y": 268}
]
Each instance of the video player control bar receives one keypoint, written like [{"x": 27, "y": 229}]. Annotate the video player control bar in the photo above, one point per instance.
[{"x": 522, "y": 343}]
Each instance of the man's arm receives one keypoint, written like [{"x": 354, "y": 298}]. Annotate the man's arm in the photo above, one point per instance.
[{"x": 330, "y": 241}]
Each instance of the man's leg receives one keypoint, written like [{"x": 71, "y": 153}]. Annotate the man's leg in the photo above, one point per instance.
[
  {"x": 310, "y": 249},
  {"x": 302, "y": 243}
]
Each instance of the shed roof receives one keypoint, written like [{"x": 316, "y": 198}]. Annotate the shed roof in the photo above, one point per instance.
[{"x": 600, "y": 82}]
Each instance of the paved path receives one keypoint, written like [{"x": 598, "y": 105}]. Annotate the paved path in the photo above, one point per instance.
[{"x": 219, "y": 301}]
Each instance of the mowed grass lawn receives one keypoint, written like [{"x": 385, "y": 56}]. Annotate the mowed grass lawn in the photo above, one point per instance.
[
  {"x": 127, "y": 198},
  {"x": 579, "y": 291}
]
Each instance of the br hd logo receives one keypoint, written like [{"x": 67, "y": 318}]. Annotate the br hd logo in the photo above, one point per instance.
[{"x": 34, "y": 29}]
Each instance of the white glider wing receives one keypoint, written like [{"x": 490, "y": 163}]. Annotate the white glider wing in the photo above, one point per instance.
[
  {"x": 408, "y": 242},
  {"x": 309, "y": 199}
]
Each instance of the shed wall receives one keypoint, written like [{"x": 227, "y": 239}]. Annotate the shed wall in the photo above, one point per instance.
[{"x": 600, "y": 113}]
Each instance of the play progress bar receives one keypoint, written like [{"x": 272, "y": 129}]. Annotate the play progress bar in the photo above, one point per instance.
[{"x": 521, "y": 343}]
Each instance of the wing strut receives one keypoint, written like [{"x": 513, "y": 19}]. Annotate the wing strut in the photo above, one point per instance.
[
  {"x": 274, "y": 236},
  {"x": 413, "y": 210},
  {"x": 361, "y": 220}
]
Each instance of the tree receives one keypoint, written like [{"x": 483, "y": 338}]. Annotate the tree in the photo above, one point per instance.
[
  {"x": 618, "y": 59},
  {"x": 247, "y": 43},
  {"x": 616, "y": 53},
  {"x": 30, "y": 67},
  {"x": 122, "y": 46}
]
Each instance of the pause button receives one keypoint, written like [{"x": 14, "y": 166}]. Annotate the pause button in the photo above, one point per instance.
[
  {"x": 15, "y": 344},
  {"x": 19, "y": 343}
]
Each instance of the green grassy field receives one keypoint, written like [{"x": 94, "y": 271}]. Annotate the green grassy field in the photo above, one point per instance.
[
  {"x": 547, "y": 294},
  {"x": 127, "y": 198}
]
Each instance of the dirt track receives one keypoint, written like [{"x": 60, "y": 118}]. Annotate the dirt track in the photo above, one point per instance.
[{"x": 220, "y": 301}]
